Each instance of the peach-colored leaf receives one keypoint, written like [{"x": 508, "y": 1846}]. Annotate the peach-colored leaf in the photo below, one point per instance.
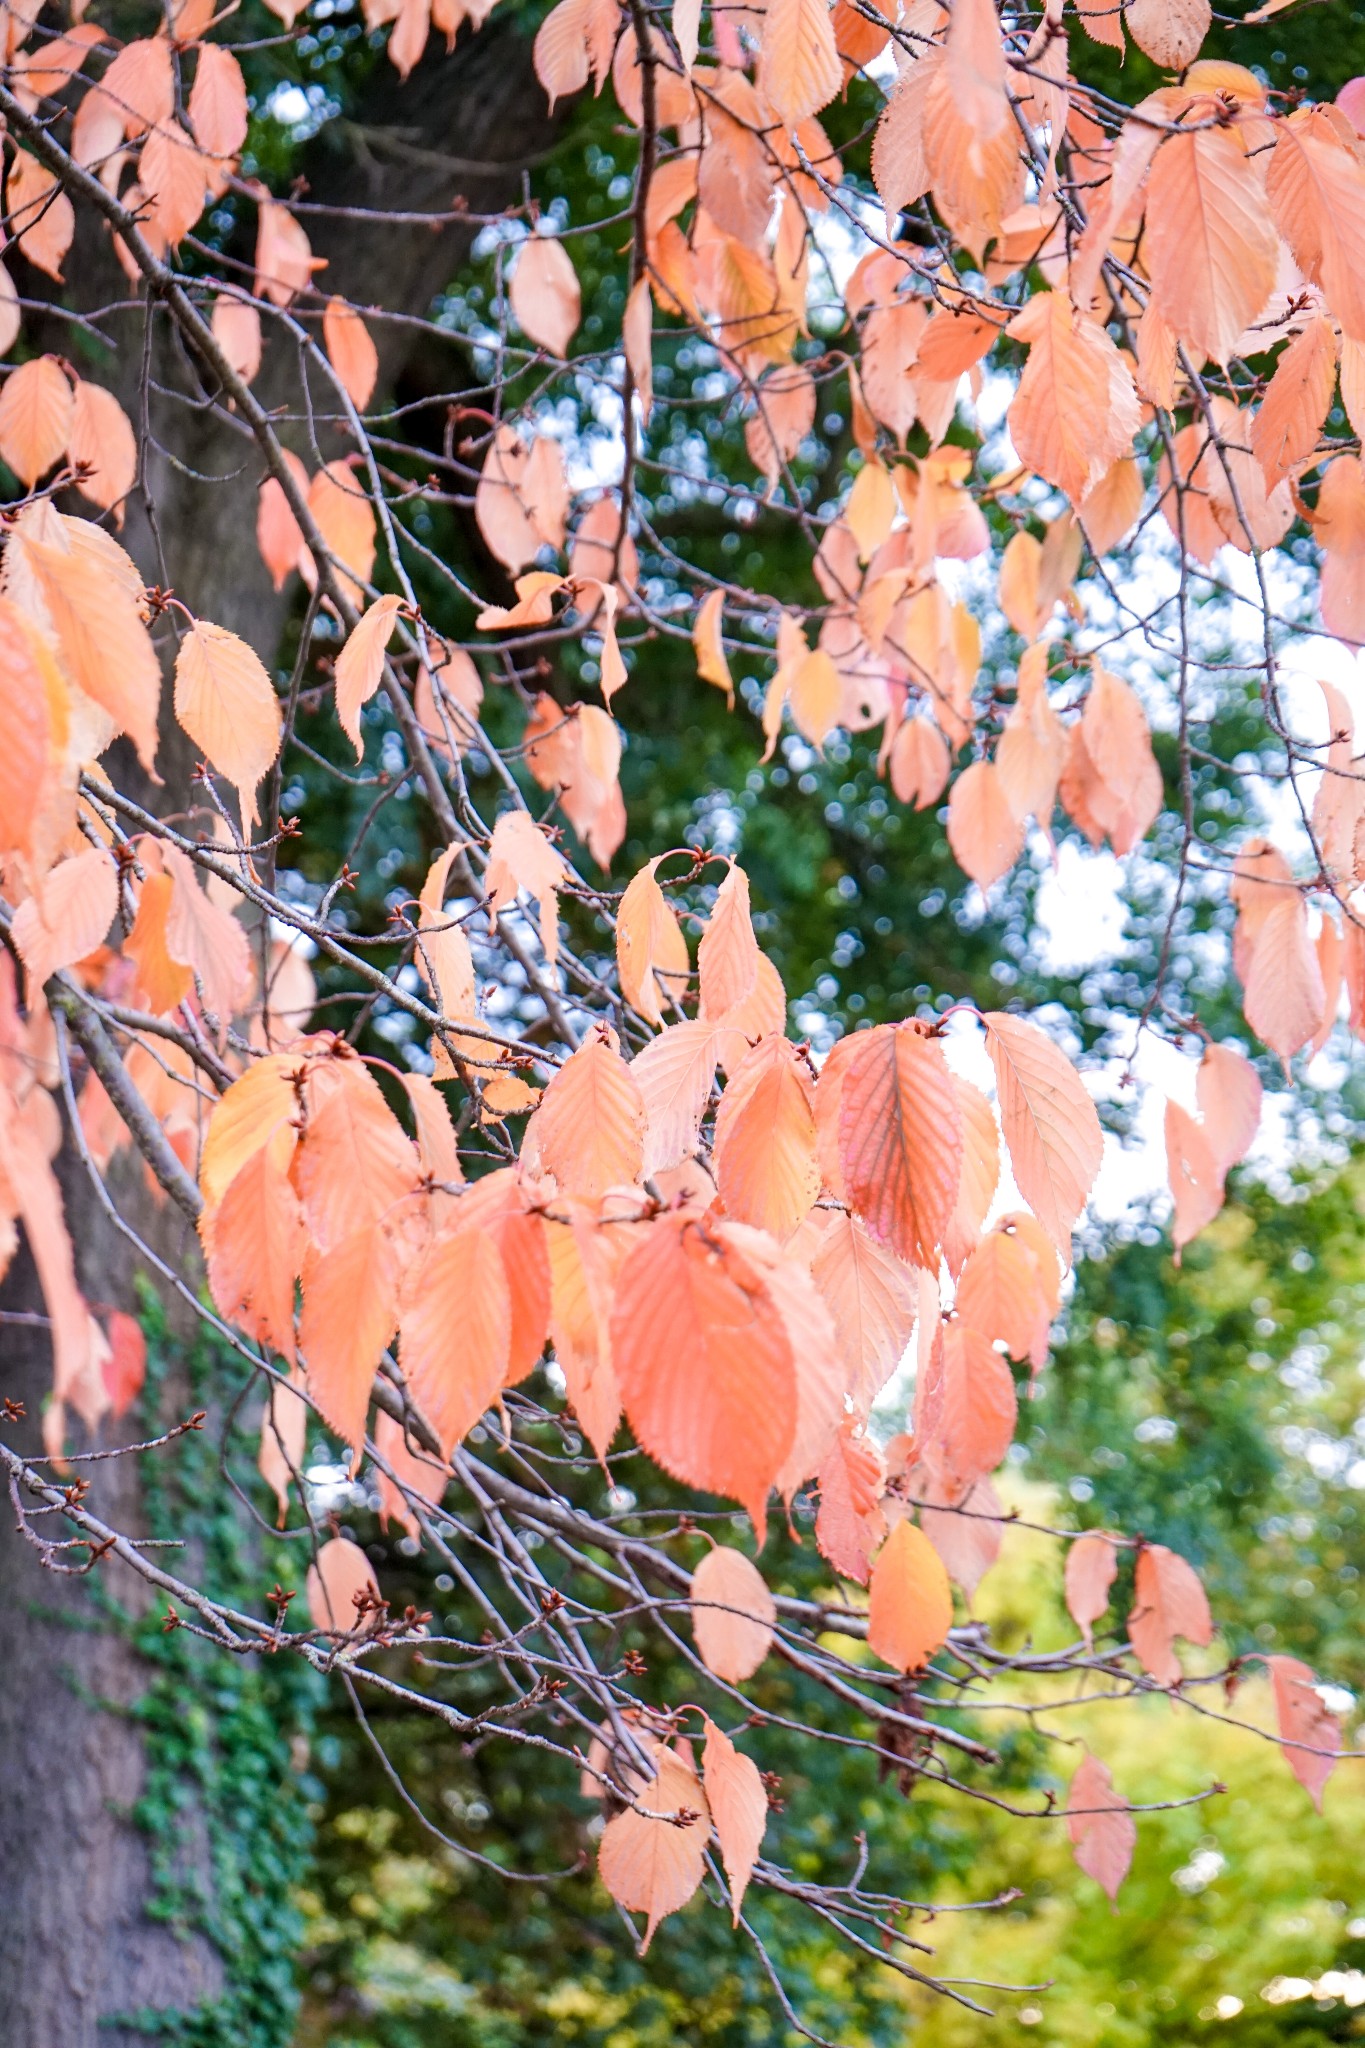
[
  {"x": 652, "y": 1861},
  {"x": 1193, "y": 1174},
  {"x": 980, "y": 1172},
  {"x": 1000, "y": 1292},
  {"x": 733, "y": 1614},
  {"x": 764, "y": 1146},
  {"x": 651, "y": 952},
  {"x": 870, "y": 1294},
  {"x": 739, "y": 1808},
  {"x": 1168, "y": 1601},
  {"x": 675, "y": 1073},
  {"x": 103, "y": 445},
  {"x": 67, "y": 915},
  {"x": 218, "y": 112},
  {"x": 1076, "y": 411},
  {"x": 1170, "y": 32},
  {"x": 900, "y": 1139},
  {"x": 910, "y": 1603},
  {"x": 1051, "y": 1128},
  {"x": 41, "y": 216},
  {"x": 521, "y": 857},
  {"x": 545, "y": 294},
  {"x": 984, "y": 831},
  {"x": 1209, "y": 244},
  {"x": 227, "y": 704},
  {"x": 360, "y": 665},
  {"x": 37, "y": 411},
  {"x": 1284, "y": 998},
  {"x": 798, "y": 68},
  {"x": 1316, "y": 187},
  {"x": 351, "y": 351},
  {"x": 1310, "y": 1733},
  {"x": 340, "y": 1574},
  {"x": 1101, "y": 1825},
  {"x": 455, "y": 1327},
  {"x": 345, "y": 520},
  {"x": 919, "y": 763},
  {"x": 709, "y": 646},
  {"x": 591, "y": 1121},
  {"x": 727, "y": 959},
  {"x": 1229, "y": 1093},
  {"x": 105, "y": 647},
  {"x": 704, "y": 1362},
  {"x": 850, "y": 1524},
  {"x": 1285, "y": 431},
  {"x": 1091, "y": 1566}
]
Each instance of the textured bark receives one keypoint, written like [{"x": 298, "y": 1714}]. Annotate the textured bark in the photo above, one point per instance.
[{"x": 76, "y": 1947}]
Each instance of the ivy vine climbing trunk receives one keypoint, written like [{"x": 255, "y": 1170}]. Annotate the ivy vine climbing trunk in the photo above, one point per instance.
[{"x": 81, "y": 1958}]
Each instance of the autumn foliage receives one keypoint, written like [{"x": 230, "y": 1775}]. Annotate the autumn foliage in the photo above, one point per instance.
[{"x": 728, "y": 1240}]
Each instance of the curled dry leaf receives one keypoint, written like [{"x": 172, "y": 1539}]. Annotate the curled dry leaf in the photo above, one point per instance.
[
  {"x": 651, "y": 952},
  {"x": 733, "y": 1614}
]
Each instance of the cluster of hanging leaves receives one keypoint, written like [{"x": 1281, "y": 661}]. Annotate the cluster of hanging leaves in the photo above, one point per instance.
[{"x": 728, "y": 1246}]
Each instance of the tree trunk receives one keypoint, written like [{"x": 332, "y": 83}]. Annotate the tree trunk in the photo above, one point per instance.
[{"x": 79, "y": 1954}]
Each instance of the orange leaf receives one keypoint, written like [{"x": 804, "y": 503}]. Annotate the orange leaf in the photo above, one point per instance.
[
  {"x": 870, "y": 1294},
  {"x": 650, "y": 1864},
  {"x": 350, "y": 351},
  {"x": 1101, "y": 1825},
  {"x": 900, "y": 1139},
  {"x": 1000, "y": 1293},
  {"x": 739, "y": 1809},
  {"x": 227, "y": 704},
  {"x": 349, "y": 1314},
  {"x": 910, "y": 1603},
  {"x": 284, "y": 1439},
  {"x": 707, "y": 643},
  {"x": 354, "y": 1166},
  {"x": 254, "y": 1244},
  {"x": 455, "y": 1331},
  {"x": 1051, "y": 1128},
  {"x": 704, "y": 1363},
  {"x": 1076, "y": 410},
  {"x": 980, "y": 1173},
  {"x": 977, "y": 1407},
  {"x": 733, "y": 1614},
  {"x": 584, "y": 1258},
  {"x": 162, "y": 980}
]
